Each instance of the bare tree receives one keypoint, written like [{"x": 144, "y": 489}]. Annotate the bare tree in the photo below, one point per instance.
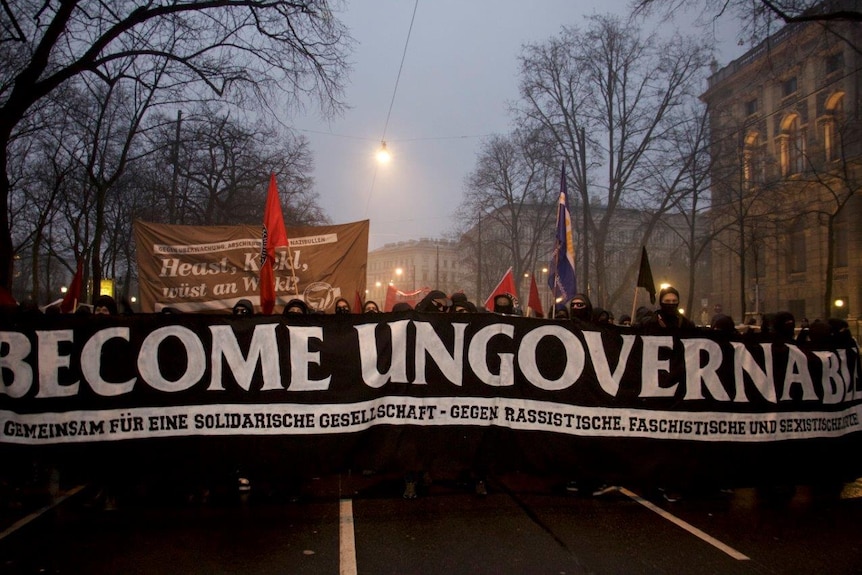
[
  {"x": 220, "y": 169},
  {"x": 607, "y": 97},
  {"x": 508, "y": 207},
  {"x": 241, "y": 49},
  {"x": 757, "y": 18}
]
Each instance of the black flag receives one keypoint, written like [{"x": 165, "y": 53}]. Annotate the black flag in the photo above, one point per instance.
[{"x": 645, "y": 276}]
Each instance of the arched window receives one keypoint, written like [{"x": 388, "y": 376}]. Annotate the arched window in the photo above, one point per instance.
[
  {"x": 831, "y": 122},
  {"x": 752, "y": 160},
  {"x": 791, "y": 146}
]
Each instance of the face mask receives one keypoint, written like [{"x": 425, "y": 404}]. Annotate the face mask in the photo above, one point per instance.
[
  {"x": 342, "y": 310},
  {"x": 581, "y": 312},
  {"x": 670, "y": 309}
]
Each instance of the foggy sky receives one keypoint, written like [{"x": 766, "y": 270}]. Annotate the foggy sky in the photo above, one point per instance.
[{"x": 456, "y": 86}]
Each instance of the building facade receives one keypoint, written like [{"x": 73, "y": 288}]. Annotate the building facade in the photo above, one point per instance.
[
  {"x": 785, "y": 121},
  {"x": 412, "y": 265}
]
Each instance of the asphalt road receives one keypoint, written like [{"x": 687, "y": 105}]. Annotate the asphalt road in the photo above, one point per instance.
[{"x": 355, "y": 524}]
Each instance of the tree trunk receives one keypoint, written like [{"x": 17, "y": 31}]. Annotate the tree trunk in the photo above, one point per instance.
[
  {"x": 830, "y": 265},
  {"x": 6, "y": 253}
]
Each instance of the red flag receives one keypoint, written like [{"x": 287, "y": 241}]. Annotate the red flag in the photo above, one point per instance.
[
  {"x": 394, "y": 295},
  {"x": 534, "y": 303},
  {"x": 6, "y": 299},
  {"x": 357, "y": 303},
  {"x": 274, "y": 236},
  {"x": 73, "y": 294},
  {"x": 505, "y": 287}
]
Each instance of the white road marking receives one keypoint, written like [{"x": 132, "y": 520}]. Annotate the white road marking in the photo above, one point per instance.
[
  {"x": 24, "y": 521},
  {"x": 347, "y": 542},
  {"x": 687, "y": 526}
]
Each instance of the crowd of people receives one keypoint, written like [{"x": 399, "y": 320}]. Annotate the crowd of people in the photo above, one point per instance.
[{"x": 579, "y": 310}]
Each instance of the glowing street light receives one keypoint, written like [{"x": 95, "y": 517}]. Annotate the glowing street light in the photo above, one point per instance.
[{"x": 383, "y": 155}]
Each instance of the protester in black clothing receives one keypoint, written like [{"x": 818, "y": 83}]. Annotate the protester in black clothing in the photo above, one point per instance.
[
  {"x": 370, "y": 307},
  {"x": 561, "y": 312},
  {"x": 601, "y": 316},
  {"x": 296, "y": 306},
  {"x": 464, "y": 307},
  {"x": 105, "y": 305},
  {"x": 784, "y": 326},
  {"x": 819, "y": 333},
  {"x": 503, "y": 304},
  {"x": 643, "y": 316},
  {"x": 342, "y": 306},
  {"x": 243, "y": 307},
  {"x": 434, "y": 301},
  {"x": 581, "y": 310},
  {"x": 667, "y": 315},
  {"x": 723, "y": 323}
]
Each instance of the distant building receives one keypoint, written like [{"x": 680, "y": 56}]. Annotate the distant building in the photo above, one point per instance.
[
  {"x": 786, "y": 174},
  {"x": 412, "y": 265}
]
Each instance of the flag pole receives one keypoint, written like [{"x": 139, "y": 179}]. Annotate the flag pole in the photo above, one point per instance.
[{"x": 634, "y": 305}]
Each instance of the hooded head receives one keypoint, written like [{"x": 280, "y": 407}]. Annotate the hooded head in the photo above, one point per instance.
[
  {"x": 668, "y": 301},
  {"x": 458, "y": 297},
  {"x": 581, "y": 308},
  {"x": 463, "y": 306},
  {"x": 723, "y": 323},
  {"x": 503, "y": 304},
  {"x": 839, "y": 330},
  {"x": 342, "y": 306},
  {"x": 105, "y": 304},
  {"x": 371, "y": 307},
  {"x": 784, "y": 325},
  {"x": 295, "y": 306},
  {"x": 243, "y": 307},
  {"x": 601, "y": 316},
  {"x": 401, "y": 306},
  {"x": 435, "y": 302}
]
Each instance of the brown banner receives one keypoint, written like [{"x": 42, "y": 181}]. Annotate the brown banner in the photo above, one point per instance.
[{"x": 210, "y": 268}]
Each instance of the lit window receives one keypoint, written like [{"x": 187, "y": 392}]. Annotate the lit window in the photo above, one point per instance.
[
  {"x": 792, "y": 146},
  {"x": 834, "y": 115}
]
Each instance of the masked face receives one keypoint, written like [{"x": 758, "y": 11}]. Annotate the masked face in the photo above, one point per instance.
[
  {"x": 342, "y": 309},
  {"x": 578, "y": 309},
  {"x": 670, "y": 304}
]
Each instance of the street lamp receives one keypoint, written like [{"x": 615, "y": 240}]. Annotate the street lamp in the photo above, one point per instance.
[{"x": 383, "y": 155}]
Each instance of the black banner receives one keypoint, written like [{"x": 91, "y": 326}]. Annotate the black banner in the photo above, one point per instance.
[{"x": 407, "y": 390}]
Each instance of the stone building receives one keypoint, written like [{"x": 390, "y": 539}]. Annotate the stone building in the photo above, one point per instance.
[
  {"x": 786, "y": 174},
  {"x": 412, "y": 265}
]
